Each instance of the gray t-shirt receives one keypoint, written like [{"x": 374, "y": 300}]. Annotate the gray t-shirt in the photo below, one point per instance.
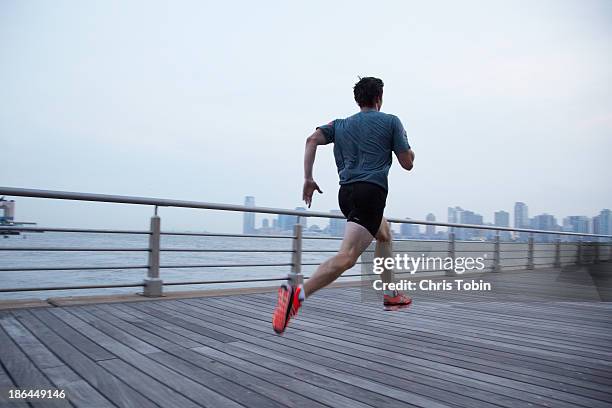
[{"x": 363, "y": 144}]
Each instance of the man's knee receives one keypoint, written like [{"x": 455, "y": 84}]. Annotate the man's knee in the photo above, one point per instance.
[
  {"x": 345, "y": 260},
  {"x": 384, "y": 232}
]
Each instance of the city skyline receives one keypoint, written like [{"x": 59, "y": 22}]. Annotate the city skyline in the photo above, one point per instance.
[{"x": 598, "y": 224}]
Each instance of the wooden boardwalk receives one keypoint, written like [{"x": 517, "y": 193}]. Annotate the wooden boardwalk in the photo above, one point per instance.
[{"x": 449, "y": 349}]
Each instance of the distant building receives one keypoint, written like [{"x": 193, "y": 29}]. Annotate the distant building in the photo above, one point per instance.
[
  {"x": 605, "y": 224},
  {"x": 461, "y": 216},
  {"x": 248, "y": 220},
  {"x": 303, "y": 220},
  {"x": 336, "y": 225},
  {"x": 430, "y": 230},
  {"x": 470, "y": 217},
  {"x": 545, "y": 222},
  {"x": 409, "y": 230},
  {"x": 521, "y": 219},
  {"x": 576, "y": 223},
  {"x": 502, "y": 219},
  {"x": 521, "y": 215},
  {"x": 602, "y": 223},
  {"x": 265, "y": 223},
  {"x": 286, "y": 222},
  {"x": 453, "y": 217}
]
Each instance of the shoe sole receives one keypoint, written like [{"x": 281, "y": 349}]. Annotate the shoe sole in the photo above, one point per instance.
[
  {"x": 285, "y": 301},
  {"x": 393, "y": 308}
]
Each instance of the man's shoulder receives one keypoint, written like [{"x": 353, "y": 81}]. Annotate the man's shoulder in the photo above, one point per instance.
[{"x": 389, "y": 116}]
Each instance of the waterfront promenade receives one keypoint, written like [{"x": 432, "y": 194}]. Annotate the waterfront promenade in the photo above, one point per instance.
[{"x": 538, "y": 340}]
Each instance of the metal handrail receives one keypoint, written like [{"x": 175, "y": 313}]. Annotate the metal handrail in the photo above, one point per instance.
[
  {"x": 153, "y": 284},
  {"x": 164, "y": 202}
]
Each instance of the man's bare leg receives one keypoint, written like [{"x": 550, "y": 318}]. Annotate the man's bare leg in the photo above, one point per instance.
[
  {"x": 393, "y": 300},
  {"x": 356, "y": 240},
  {"x": 384, "y": 249}
]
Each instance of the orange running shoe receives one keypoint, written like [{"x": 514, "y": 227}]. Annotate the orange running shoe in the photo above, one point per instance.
[
  {"x": 287, "y": 305},
  {"x": 396, "y": 302}
]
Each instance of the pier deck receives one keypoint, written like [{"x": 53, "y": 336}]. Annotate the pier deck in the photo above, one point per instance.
[{"x": 501, "y": 349}]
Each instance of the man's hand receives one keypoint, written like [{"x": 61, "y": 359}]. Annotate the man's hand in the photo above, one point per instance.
[
  {"x": 406, "y": 159},
  {"x": 309, "y": 188}
]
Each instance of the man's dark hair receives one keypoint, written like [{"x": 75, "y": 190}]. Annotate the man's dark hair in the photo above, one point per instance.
[{"x": 367, "y": 90}]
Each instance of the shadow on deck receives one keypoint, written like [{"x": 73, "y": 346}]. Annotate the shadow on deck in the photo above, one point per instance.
[{"x": 539, "y": 339}]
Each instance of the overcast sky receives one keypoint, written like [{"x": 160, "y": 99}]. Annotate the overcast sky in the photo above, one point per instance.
[{"x": 503, "y": 101}]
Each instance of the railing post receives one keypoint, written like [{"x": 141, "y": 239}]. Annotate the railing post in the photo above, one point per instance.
[
  {"x": 295, "y": 276},
  {"x": 530, "y": 264},
  {"x": 557, "y": 253},
  {"x": 597, "y": 255},
  {"x": 451, "y": 252},
  {"x": 153, "y": 284},
  {"x": 497, "y": 253},
  {"x": 579, "y": 255}
]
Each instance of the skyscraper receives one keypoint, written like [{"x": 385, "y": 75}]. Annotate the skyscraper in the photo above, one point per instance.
[
  {"x": 605, "y": 223},
  {"x": 502, "y": 218},
  {"x": 521, "y": 219},
  {"x": 248, "y": 220},
  {"x": 576, "y": 223},
  {"x": 286, "y": 222},
  {"x": 430, "y": 230},
  {"x": 469, "y": 217},
  {"x": 521, "y": 215},
  {"x": 545, "y": 222}
]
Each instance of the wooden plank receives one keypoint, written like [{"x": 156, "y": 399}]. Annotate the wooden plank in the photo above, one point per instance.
[
  {"x": 365, "y": 391},
  {"x": 284, "y": 391},
  {"x": 393, "y": 335},
  {"x": 34, "y": 349},
  {"x": 242, "y": 395},
  {"x": 103, "y": 381},
  {"x": 142, "y": 370},
  {"x": 535, "y": 398},
  {"x": 413, "y": 368},
  {"x": 7, "y": 384},
  {"x": 156, "y": 390},
  {"x": 78, "y": 391},
  {"x": 157, "y": 336},
  {"x": 189, "y": 323},
  {"x": 341, "y": 334},
  {"x": 25, "y": 375},
  {"x": 76, "y": 339}
]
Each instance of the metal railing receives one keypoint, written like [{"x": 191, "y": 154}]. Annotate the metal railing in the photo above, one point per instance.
[{"x": 153, "y": 285}]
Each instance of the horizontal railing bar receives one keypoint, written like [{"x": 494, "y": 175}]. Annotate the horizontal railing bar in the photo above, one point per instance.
[
  {"x": 225, "y": 281},
  {"x": 74, "y": 268},
  {"x": 121, "y": 285},
  {"x": 160, "y": 202},
  {"x": 312, "y": 237},
  {"x": 224, "y": 250},
  {"x": 223, "y": 265},
  {"x": 65, "y": 249},
  {"x": 81, "y": 230},
  {"x": 226, "y": 235}
]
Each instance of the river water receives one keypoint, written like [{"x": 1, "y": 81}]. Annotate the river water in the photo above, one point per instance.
[{"x": 33, "y": 259}]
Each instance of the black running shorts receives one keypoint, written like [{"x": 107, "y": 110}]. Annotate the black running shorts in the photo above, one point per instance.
[{"x": 363, "y": 203}]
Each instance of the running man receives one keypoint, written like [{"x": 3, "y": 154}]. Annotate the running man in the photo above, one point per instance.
[{"x": 362, "y": 150}]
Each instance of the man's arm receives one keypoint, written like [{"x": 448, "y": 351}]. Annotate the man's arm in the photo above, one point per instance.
[
  {"x": 406, "y": 159},
  {"x": 312, "y": 142}
]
